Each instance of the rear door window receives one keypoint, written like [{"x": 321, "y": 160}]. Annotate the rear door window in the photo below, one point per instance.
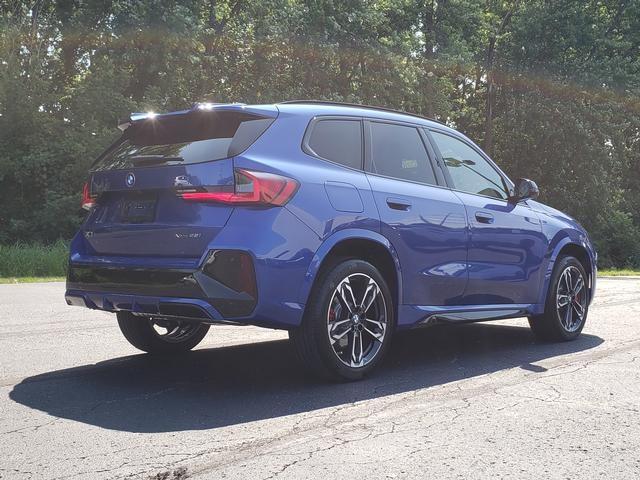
[
  {"x": 337, "y": 140},
  {"x": 183, "y": 139},
  {"x": 398, "y": 151}
]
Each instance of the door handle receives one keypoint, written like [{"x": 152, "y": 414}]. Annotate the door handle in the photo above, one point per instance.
[
  {"x": 398, "y": 204},
  {"x": 484, "y": 217}
]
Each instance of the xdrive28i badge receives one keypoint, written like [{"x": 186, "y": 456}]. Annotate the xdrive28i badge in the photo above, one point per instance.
[{"x": 130, "y": 179}]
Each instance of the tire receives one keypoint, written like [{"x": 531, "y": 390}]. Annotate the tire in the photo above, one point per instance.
[
  {"x": 344, "y": 337},
  {"x": 141, "y": 332},
  {"x": 553, "y": 325}
]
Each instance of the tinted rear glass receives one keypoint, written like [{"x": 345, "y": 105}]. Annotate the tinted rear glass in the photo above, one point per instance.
[
  {"x": 397, "y": 151},
  {"x": 338, "y": 140},
  {"x": 183, "y": 139}
]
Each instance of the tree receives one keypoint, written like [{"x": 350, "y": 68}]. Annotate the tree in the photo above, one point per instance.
[{"x": 551, "y": 89}]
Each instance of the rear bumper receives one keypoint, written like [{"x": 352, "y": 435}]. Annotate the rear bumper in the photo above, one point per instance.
[
  {"x": 191, "y": 293},
  {"x": 280, "y": 248},
  {"x": 199, "y": 310}
]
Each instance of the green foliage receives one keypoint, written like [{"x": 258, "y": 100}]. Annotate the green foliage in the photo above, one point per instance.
[
  {"x": 551, "y": 89},
  {"x": 617, "y": 242},
  {"x": 22, "y": 260}
]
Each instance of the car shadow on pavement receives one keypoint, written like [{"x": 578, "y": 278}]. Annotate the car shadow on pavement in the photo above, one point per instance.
[{"x": 216, "y": 387}]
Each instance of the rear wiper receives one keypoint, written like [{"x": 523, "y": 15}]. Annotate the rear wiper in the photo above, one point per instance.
[{"x": 153, "y": 159}]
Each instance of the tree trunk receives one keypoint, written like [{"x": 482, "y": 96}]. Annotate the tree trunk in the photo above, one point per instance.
[
  {"x": 488, "y": 123},
  {"x": 428, "y": 28},
  {"x": 490, "y": 63},
  {"x": 429, "y": 35}
]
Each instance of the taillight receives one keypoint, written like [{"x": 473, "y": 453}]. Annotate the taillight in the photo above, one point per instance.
[
  {"x": 250, "y": 188},
  {"x": 88, "y": 201}
]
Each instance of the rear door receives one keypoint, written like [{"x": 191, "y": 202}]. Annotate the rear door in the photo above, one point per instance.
[
  {"x": 506, "y": 243},
  {"x": 424, "y": 221},
  {"x": 137, "y": 181}
]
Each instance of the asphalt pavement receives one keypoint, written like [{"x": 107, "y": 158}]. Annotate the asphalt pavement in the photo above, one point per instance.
[{"x": 466, "y": 401}]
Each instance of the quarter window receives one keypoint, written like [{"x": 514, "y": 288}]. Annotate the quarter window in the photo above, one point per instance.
[
  {"x": 338, "y": 140},
  {"x": 397, "y": 151},
  {"x": 469, "y": 171}
]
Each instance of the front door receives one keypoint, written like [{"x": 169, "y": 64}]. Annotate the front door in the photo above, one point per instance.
[{"x": 506, "y": 243}]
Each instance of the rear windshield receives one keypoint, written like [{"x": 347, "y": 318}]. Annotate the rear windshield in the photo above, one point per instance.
[{"x": 182, "y": 139}]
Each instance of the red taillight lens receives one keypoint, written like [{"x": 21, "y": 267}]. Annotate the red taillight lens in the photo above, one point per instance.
[
  {"x": 88, "y": 202},
  {"x": 251, "y": 188}
]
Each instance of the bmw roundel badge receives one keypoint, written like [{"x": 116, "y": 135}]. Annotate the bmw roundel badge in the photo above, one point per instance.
[{"x": 130, "y": 179}]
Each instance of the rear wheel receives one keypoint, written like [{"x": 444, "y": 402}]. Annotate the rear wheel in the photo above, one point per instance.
[
  {"x": 567, "y": 303},
  {"x": 348, "y": 322},
  {"x": 158, "y": 335}
]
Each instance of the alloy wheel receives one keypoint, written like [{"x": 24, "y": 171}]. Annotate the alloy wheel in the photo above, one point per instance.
[
  {"x": 174, "y": 331},
  {"x": 571, "y": 299},
  {"x": 357, "y": 320}
]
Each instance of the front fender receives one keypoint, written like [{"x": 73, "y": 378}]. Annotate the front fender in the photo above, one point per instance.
[
  {"x": 329, "y": 243},
  {"x": 559, "y": 242}
]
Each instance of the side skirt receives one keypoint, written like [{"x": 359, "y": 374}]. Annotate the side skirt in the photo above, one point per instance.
[{"x": 419, "y": 316}]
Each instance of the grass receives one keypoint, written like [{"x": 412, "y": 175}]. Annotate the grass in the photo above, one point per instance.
[
  {"x": 30, "y": 279},
  {"x": 624, "y": 272},
  {"x": 31, "y": 262}
]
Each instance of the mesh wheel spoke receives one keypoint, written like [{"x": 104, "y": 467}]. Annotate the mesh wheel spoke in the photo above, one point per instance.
[
  {"x": 173, "y": 330},
  {"x": 578, "y": 308},
  {"x": 568, "y": 280},
  {"x": 563, "y": 300},
  {"x": 378, "y": 324},
  {"x": 336, "y": 337},
  {"x": 356, "y": 349},
  {"x": 567, "y": 317},
  {"x": 345, "y": 286},
  {"x": 578, "y": 286},
  {"x": 377, "y": 336},
  {"x": 371, "y": 292}
]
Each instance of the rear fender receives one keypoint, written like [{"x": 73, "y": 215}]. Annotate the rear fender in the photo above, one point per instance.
[{"x": 335, "y": 239}]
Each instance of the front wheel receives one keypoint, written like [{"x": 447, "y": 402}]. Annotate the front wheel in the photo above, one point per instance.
[
  {"x": 158, "y": 335},
  {"x": 567, "y": 303},
  {"x": 348, "y": 322}
]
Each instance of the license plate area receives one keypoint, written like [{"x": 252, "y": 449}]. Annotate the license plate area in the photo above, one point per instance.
[{"x": 139, "y": 208}]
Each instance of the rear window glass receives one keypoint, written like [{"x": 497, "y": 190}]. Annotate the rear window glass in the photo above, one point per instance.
[
  {"x": 397, "y": 151},
  {"x": 183, "y": 139},
  {"x": 338, "y": 140}
]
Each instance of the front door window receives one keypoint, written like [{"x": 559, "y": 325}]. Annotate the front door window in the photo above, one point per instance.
[{"x": 469, "y": 171}]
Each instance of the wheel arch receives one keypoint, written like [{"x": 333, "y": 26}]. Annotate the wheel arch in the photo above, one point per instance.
[
  {"x": 568, "y": 246},
  {"x": 365, "y": 245}
]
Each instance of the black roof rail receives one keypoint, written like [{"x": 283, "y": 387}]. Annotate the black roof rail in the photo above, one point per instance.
[{"x": 357, "y": 105}]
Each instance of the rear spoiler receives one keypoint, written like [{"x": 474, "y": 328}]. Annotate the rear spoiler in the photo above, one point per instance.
[{"x": 263, "y": 110}]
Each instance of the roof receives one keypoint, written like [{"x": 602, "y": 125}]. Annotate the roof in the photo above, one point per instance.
[
  {"x": 315, "y": 107},
  {"x": 309, "y": 108}
]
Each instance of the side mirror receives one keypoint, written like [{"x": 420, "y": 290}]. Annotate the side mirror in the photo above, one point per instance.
[{"x": 525, "y": 189}]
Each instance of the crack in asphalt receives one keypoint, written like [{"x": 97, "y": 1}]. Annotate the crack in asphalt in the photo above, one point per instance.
[
  {"x": 284, "y": 445},
  {"x": 458, "y": 412},
  {"x": 330, "y": 419}
]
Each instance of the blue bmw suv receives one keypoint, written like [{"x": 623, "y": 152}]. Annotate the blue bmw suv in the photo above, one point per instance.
[{"x": 339, "y": 223}]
